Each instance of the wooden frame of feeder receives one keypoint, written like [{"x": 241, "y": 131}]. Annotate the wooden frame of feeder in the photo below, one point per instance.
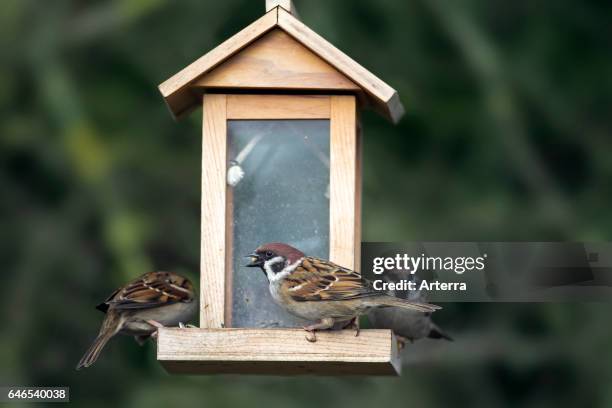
[{"x": 313, "y": 80}]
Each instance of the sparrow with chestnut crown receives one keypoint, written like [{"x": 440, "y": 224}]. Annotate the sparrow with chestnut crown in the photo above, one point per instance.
[{"x": 319, "y": 290}]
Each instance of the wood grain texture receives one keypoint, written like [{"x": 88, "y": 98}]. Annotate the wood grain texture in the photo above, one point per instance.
[
  {"x": 276, "y": 61},
  {"x": 176, "y": 89},
  {"x": 229, "y": 253},
  {"x": 181, "y": 93},
  {"x": 358, "y": 193},
  {"x": 285, "y": 4},
  {"x": 273, "y": 351},
  {"x": 278, "y": 107},
  {"x": 212, "y": 249},
  {"x": 384, "y": 97},
  {"x": 343, "y": 203}
]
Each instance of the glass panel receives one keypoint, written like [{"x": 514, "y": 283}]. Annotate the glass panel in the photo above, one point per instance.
[{"x": 283, "y": 196}]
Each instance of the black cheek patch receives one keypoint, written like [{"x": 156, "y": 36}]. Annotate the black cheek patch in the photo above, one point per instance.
[{"x": 278, "y": 266}]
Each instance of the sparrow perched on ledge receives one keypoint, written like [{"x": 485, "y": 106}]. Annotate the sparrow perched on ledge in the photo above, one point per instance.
[
  {"x": 319, "y": 290},
  {"x": 155, "y": 299},
  {"x": 407, "y": 325}
]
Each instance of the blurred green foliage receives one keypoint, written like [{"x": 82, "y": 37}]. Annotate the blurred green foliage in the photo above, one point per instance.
[{"x": 507, "y": 137}]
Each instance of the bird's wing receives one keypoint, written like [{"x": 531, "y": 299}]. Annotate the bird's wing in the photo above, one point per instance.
[
  {"x": 151, "y": 290},
  {"x": 103, "y": 307},
  {"x": 315, "y": 279}
]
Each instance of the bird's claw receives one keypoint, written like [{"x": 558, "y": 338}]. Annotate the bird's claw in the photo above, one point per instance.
[
  {"x": 311, "y": 336},
  {"x": 353, "y": 325},
  {"x": 401, "y": 342},
  {"x": 155, "y": 323},
  {"x": 157, "y": 326}
]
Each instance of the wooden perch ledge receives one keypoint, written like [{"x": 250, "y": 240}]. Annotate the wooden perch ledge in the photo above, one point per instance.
[{"x": 277, "y": 352}]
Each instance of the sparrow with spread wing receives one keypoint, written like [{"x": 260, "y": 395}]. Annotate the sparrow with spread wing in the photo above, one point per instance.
[
  {"x": 155, "y": 299},
  {"x": 319, "y": 290}
]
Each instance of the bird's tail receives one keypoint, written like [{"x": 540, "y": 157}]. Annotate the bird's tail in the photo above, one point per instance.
[
  {"x": 110, "y": 327},
  {"x": 392, "y": 301},
  {"x": 437, "y": 333}
]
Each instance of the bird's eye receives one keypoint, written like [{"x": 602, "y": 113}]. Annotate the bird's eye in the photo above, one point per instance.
[{"x": 269, "y": 254}]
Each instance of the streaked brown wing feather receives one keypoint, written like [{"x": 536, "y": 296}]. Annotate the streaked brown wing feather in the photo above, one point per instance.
[
  {"x": 151, "y": 290},
  {"x": 316, "y": 279}
]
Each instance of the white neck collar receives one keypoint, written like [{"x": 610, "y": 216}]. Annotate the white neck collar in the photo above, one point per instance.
[{"x": 277, "y": 277}]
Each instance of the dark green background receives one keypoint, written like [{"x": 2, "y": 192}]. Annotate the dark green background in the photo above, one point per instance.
[{"x": 507, "y": 137}]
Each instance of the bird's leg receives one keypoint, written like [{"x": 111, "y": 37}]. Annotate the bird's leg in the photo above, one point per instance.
[
  {"x": 186, "y": 326},
  {"x": 156, "y": 324},
  {"x": 401, "y": 342},
  {"x": 352, "y": 324},
  {"x": 324, "y": 324}
]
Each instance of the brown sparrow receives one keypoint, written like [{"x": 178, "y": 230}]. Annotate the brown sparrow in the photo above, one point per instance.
[
  {"x": 407, "y": 325},
  {"x": 155, "y": 299},
  {"x": 319, "y": 290}
]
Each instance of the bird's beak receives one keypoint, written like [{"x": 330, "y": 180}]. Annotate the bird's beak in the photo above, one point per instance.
[{"x": 256, "y": 261}]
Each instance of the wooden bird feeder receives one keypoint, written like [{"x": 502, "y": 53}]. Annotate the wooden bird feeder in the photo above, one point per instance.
[{"x": 281, "y": 162}]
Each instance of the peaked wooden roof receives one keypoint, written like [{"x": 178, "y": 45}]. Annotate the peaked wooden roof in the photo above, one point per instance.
[{"x": 181, "y": 95}]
